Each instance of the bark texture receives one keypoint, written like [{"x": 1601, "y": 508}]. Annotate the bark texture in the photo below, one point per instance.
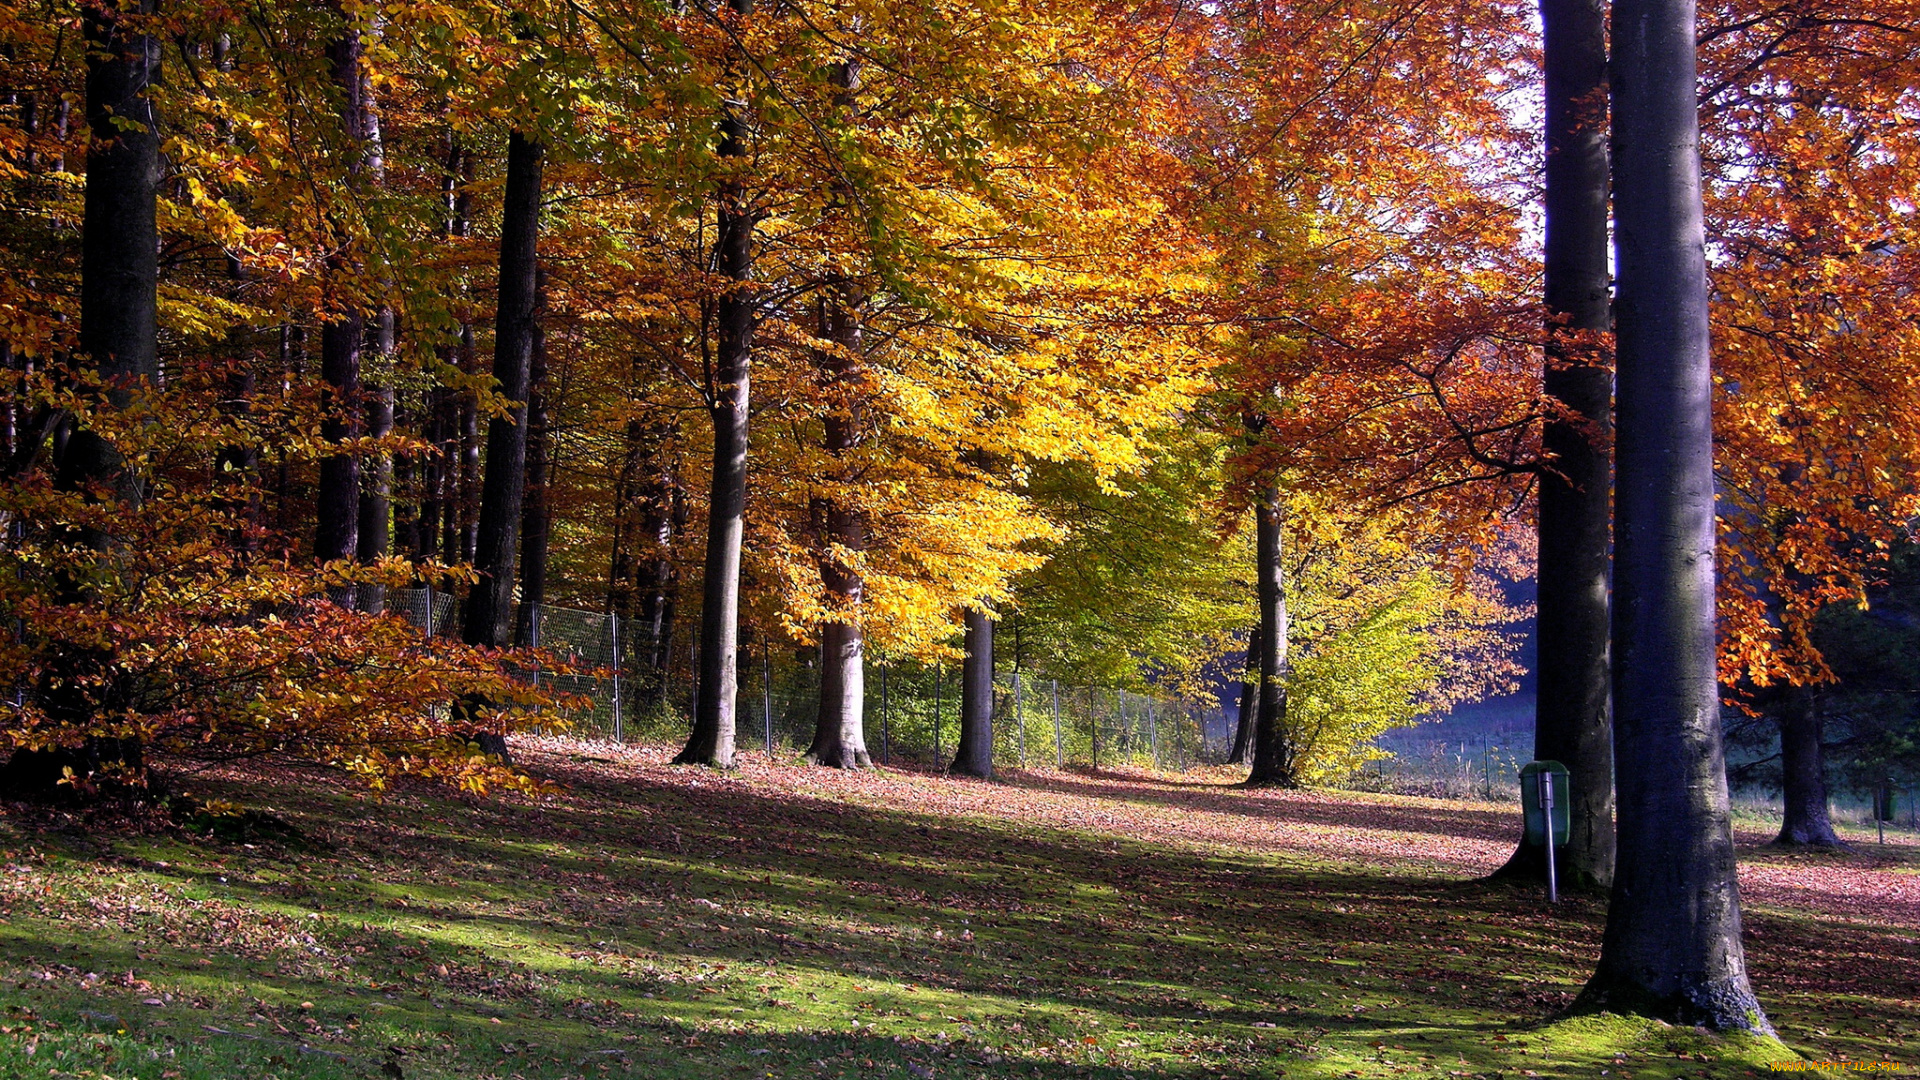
[
  {"x": 839, "y": 737},
  {"x": 1249, "y": 700},
  {"x": 712, "y": 740},
  {"x": 375, "y": 535},
  {"x": 1273, "y": 752},
  {"x": 1803, "y": 773},
  {"x": 119, "y": 272},
  {"x": 974, "y": 757},
  {"x": 337, "y": 502},
  {"x": 489, "y": 611},
  {"x": 1572, "y": 721},
  {"x": 536, "y": 516},
  {"x": 1672, "y": 947},
  {"x": 642, "y": 579}
]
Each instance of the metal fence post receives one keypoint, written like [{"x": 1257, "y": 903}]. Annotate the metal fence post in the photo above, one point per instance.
[
  {"x": 1059, "y": 746},
  {"x": 533, "y": 636},
  {"x": 937, "y": 753},
  {"x": 429, "y": 609},
  {"x": 1153, "y": 733},
  {"x": 1093, "y": 726},
  {"x": 886, "y": 742},
  {"x": 613, "y": 632},
  {"x": 766, "y": 692},
  {"x": 1020, "y": 719}
]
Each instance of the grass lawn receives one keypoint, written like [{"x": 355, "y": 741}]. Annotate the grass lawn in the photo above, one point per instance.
[{"x": 786, "y": 922}]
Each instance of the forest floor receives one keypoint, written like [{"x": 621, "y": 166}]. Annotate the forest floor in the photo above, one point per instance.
[{"x": 782, "y": 922}]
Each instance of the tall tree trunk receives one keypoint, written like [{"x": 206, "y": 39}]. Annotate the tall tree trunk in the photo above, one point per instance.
[
  {"x": 119, "y": 275},
  {"x": 463, "y": 542},
  {"x": 489, "y": 614},
  {"x": 293, "y": 365},
  {"x": 375, "y": 535},
  {"x": 649, "y": 514},
  {"x": 1249, "y": 700},
  {"x": 431, "y": 469},
  {"x": 460, "y": 510},
  {"x": 375, "y": 538},
  {"x": 440, "y": 468},
  {"x": 236, "y": 467},
  {"x": 711, "y": 741},
  {"x": 536, "y": 518},
  {"x": 658, "y": 579},
  {"x": 1803, "y": 773},
  {"x": 621, "y": 576},
  {"x": 839, "y": 737},
  {"x": 1672, "y": 948},
  {"x": 337, "y": 503},
  {"x": 1273, "y": 748},
  {"x": 975, "y": 754},
  {"x": 1572, "y": 724}
]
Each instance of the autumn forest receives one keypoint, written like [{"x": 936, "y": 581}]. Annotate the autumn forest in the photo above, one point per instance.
[{"x": 455, "y": 433}]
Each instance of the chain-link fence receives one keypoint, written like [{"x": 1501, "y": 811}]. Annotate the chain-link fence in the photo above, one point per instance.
[{"x": 639, "y": 692}]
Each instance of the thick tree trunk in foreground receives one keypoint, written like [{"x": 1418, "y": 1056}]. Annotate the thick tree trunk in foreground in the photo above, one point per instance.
[
  {"x": 1249, "y": 700},
  {"x": 1273, "y": 749},
  {"x": 1672, "y": 944},
  {"x": 489, "y": 615},
  {"x": 975, "y": 755},
  {"x": 1803, "y": 773},
  {"x": 711, "y": 741},
  {"x": 119, "y": 274},
  {"x": 1572, "y": 720}
]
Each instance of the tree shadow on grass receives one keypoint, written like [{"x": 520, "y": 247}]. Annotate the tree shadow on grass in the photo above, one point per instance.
[
  {"x": 764, "y": 926},
  {"x": 1304, "y": 807}
]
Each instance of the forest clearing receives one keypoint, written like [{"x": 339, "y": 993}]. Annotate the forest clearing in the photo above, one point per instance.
[
  {"x": 660, "y": 922},
  {"x": 959, "y": 538}
]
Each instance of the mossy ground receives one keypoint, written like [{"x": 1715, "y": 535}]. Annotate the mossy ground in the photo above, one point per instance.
[{"x": 780, "y": 922}]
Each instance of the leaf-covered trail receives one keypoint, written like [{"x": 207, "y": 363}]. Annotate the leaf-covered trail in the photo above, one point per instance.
[{"x": 647, "y": 920}]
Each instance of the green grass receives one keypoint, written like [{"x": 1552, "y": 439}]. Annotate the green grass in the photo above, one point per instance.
[{"x": 663, "y": 923}]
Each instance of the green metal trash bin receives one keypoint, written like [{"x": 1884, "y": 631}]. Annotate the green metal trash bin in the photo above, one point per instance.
[{"x": 1530, "y": 802}]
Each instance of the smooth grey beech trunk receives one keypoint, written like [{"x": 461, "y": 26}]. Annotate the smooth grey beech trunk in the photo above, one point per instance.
[
  {"x": 1803, "y": 773},
  {"x": 975, "y": 754},
  {"x": 119, "y": 275},
  {"x": 1672, "y": 948},
  {"x": 489, "y": 613},
  {"x": 839, "y": 737},
  {"x": 1249, "y": 700},
  {"x": 1572, "y": 714},
  {"x": 716, "y": 691},
  {"x": 1273, "y": 751},
  {"x": 375, "y": 533}
]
